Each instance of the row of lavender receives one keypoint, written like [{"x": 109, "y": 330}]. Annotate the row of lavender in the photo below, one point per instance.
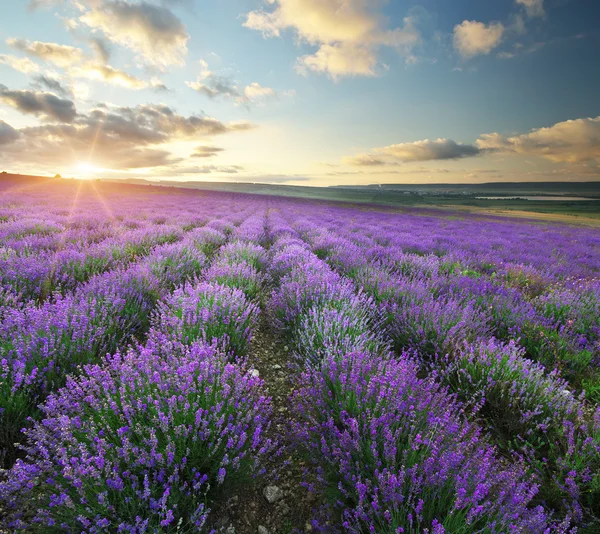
[
  {"x": 145, "y": 441},
  {"x": 447, "y": 318}
]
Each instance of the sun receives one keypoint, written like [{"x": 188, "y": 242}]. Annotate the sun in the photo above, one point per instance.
[{"x": 86, "y": 170}]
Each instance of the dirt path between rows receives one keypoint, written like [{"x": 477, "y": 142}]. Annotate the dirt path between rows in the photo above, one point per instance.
[{"x": 278, "y": 503}]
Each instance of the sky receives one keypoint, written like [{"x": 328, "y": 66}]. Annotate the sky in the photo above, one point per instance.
[{"x": 302, "y": 92}]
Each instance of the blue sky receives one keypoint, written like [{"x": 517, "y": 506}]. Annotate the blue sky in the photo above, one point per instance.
[{"x": 314, "y": 92}]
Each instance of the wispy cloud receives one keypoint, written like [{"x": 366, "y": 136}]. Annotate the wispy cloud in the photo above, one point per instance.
[
  {"x": 76, "y": 63},
  {"x": 534, "y": 8},
  {"x": 21, "y": 64},
  {"x": 206, "y": 151},
  {"x": 61, "y": 55},
  {"x": 215, "y": 85},
  {"x": 110, "y": 75}
]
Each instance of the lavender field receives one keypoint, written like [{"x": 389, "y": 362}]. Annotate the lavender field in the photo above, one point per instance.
[{"x": 176, "y": 361}]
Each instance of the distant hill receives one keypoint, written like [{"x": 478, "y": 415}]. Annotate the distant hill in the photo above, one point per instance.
[{"x": 505, "y": 188}]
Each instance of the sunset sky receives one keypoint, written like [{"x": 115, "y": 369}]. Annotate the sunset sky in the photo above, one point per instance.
[{"x": 306, "y": 92}]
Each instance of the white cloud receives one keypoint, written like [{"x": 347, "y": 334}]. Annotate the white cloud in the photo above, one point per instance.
[
  {"x": 255, "y": 91},
  {"x": 572, "y": 141},
  {"x": 154, "y": 32},
  {"x": 112, "y": 76},
  {"x": 348, "y": 33},
  {"x": 22, "y": 64},
  {"x": 575, "y": 142},
  {"x": 472, "y": 38},
  {"x": 61, "y": 55},
  {"x": 340, "y": 60}
]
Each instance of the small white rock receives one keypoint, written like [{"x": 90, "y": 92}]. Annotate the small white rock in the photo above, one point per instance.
[
  {"x": 273, "y": 494},
  {"x": 276, "y": 367},
  {"x": 254, "y": 373},
  {"x": 262, "y": 530}
]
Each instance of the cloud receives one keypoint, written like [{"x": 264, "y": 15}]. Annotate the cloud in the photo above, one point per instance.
[
  {"x": 215, "y": 85},
  {"x": 101, "y": 49},
  {"x": 154, "y": 32},
  {"x": 340, "y": 60},
  {"x": 575, "y": 143},
  {"x": 342, "y": 31},
  {"x": 115, "y": 138},
  {"x": 255, "y": 92},
  {"x": 427, "y": 150},
  {"x": 35, "y": 4},
  {"x": 572, "y": 141},
  {"x": 365, "y": 160},
  {"x": 110, "y": 75},
  {"x": 207, "y": 169},
  {"x": 22, "y": 64},
  {"x": 317, "y": 21},
  {"x": 472, "y": 38},
  {"x": 534, "y": 8},
  {"x": 45, "y": 105},
  {"x": 206, "y": 151},
  {"x": 7, "y": 133},
  {"x": 78, "y": 66},
  {"x": 61, "y": 55},
  {"x": 45, "y": 82},
  {"x": 506, "y": 55}
]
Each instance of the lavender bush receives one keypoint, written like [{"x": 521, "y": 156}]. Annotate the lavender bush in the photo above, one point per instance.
[
  {"x": 40, "y": 346},
  {"x": 240, "y": 275},
  {"x": 143, "y": 444},
  {"x": 394, "y": 457},
  {"x": 210, "y": 312},
  {"x": 536, "y": 415}
]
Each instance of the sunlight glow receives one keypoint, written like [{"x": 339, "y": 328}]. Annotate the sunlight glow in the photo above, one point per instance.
[{"x": 86, "y": 170}]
